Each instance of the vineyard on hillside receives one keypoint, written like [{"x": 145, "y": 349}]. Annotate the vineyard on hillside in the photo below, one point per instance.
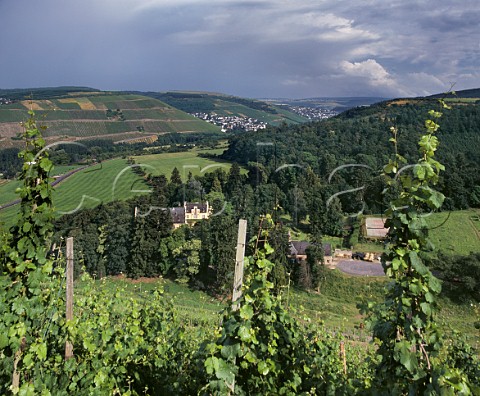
[{"x": 93, "y": 116}]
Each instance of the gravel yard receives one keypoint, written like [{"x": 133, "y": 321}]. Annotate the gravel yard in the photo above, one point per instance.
[{"x": 359, "y": 267}]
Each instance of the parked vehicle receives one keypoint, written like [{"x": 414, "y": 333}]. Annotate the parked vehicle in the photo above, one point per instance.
[
  {"x": 364, "y": 256},
  {"x": 358, "y": 256},
  {"x": 369, "y": 257}
]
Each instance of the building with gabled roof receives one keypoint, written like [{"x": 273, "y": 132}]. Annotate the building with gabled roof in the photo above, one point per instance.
[
  {"x": 374, "y": 228},
  {"x": 190, "y": 213},
  {"x": 298, "y": 251}
]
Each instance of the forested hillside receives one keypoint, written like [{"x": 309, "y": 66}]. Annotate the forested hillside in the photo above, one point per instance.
[{"x": 361, "y": 136}]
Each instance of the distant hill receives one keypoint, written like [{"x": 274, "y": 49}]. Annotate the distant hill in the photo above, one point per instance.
[
  {"x": 337, "y": 104},
  {"x": 72, "y": 113},
  {"x": 227, "y": 105},
  {"x": 43, "y": 93},
  {"x": 466, "y": 93}
]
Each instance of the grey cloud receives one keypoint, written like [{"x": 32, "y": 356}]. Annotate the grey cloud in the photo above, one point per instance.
[{"x": 249, "y": 48}]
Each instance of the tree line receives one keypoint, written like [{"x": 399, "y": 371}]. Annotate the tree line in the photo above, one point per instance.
[{"x": 103, "y": 149}]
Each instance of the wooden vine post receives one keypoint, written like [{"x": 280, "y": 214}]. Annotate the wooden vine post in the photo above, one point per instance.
[
  {"x": 238, "y": 277},
  {"x": 344, "y": 357},
  {"x": 239, "y": 261},
  {"x": 69, "y": 303}
]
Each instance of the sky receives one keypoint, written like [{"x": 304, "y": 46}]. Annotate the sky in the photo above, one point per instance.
[{"x": 249, "y": 48}]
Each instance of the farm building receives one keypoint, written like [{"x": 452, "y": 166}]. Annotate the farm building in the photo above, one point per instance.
[
  {"x": 374, "y": 228},
  {"x": 298, "y": 251}
]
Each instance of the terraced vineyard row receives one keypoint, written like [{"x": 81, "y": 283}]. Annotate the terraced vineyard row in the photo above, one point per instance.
[
  {"x": 124, "y": 102},
  {"x": 98, "y": 115},
  {"x": 98, "y": 128},
  {"x": 155, "y": 113}
]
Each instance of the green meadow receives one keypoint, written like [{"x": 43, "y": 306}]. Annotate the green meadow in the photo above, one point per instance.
[
  {"x": 108, "y": 181},
  {"x": 104, "y": 182},
  {"x": 7, "y": 191},
  {"x": 185, "y": 162},
  {"x": 113, "y": 180},
  {"x": 456, "y": 232}
]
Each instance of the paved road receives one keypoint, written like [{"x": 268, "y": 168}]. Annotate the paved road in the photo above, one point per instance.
[{"x": 359, "y": 267}]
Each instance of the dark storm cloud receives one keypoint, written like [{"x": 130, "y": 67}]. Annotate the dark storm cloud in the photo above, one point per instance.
[{"x": 250, "y": 48}]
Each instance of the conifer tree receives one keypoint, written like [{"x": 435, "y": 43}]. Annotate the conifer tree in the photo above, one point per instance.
[{"x": 175, "y": 177}]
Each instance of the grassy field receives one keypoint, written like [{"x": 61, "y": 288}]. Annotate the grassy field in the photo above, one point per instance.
[
  {"x": 113, "y": 179},
  {"x": 104, "y": 182},
  {"x": 61, "y": 169},
  {"x": 7, "y": 191},
  {"x": 368, "y": 247},
  {"x": 189, "y": 161},
  {"x": 456, "y": 232},
  {"x": 8, "y": 187}
]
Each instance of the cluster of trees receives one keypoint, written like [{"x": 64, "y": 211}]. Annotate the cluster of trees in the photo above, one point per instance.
[
  {"x": 68, "y": 154},
  {"x": 10, "y": 163},
  {"x": 102, "y": 149},
  {"x": 115, "y": 115},
  {"x": 94, "y": 149},
  {"x": 137, "y": 238}
]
